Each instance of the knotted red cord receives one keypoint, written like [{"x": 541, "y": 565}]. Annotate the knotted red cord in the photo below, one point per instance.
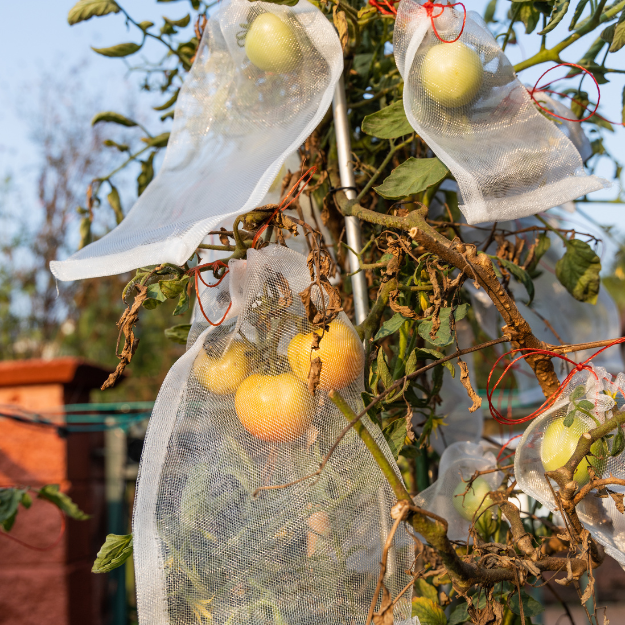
[
  {"x": 430, "y": 6},
  {"x": 381, "y": 9},
  {"x": 545, "y": 90},
  {"x": 285, "y": 204},
  {"x": 548, "y": 402},
  {"x": 196, "y": 272}
]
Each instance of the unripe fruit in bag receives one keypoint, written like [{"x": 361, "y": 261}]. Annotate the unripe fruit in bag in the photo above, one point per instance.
[
  {"x": 341, "y": 353},
  {"x": 274, "y": 408},
  {"x": 271, "y": 44},
  {"x": 559, "y": 444},
  {"x": 222, "y": 374},
  {"x": 452, "y": 74},
  {"x": 475, "y": 499}
]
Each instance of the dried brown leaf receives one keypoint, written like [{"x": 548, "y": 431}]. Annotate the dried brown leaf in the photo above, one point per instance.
[
  {"x": 285, "y": 298},
  {"x": 314, "y": 375},
  {"x": 385, "y": 614},
  {"x": 406, "y": 311},
  {"x": 223, "y": 238},
  {"x": 316, "y": 340},
  {"x": 618, "y": 501},
  {"x": 466, "y": 382},
  {"x": 340, "y": 21}
]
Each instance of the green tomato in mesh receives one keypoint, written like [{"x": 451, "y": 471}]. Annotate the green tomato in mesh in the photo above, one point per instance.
[
  {"x": 475, "y": 501},
  {"x": 271, "y": 44},
  {"x": 559, "y": 443},
  {"x": 452, "y": 74}
]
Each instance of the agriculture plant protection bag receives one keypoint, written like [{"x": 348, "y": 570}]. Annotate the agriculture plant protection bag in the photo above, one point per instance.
[
  {"x": 263, "y": 79},
  {"x": 463, "y": 98},
  {"x": 227, "y": 526}
]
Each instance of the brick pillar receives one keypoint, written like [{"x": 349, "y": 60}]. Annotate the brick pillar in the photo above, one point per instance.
[{"x": 54, "y": 586}]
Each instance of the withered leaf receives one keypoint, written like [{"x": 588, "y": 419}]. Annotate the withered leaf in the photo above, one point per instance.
[
  {"x": 316, "y": 339},
  {"x": 466, "y": 382},
  {"x": 385, "y": 615},
  {"x": 405, "y": 311},
  {"x": 223, "y": 238},
  {"x": 285, "y": 298},
  {"x": 332, "y": 306},
  {"x": 618, "y": 501},
  {"x": 314, "y": 375}
]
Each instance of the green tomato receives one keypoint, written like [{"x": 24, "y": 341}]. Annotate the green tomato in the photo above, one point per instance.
[
  {"x": 271, "y": 44},
  {"x": 559, "y": 444},
  {"x": 452, "y": 74},
  {"x": 475, "y": 501}
]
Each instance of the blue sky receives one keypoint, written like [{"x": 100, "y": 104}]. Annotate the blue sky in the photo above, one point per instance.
[{"x": 47, "y": 44}]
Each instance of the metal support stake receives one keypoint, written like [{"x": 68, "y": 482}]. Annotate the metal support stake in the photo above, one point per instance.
[
  {"x": 353, "y": 234},
  {"x": 352, "y": 225}
]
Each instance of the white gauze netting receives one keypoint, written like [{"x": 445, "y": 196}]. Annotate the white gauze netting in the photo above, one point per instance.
[
  {"x": 234, "y": 415},
  {"x": 548, "y": 443},
  {"x": 237, "y": 119},
  {"x": 447, "y": 498},
  {"x": 465, "y": 101}
]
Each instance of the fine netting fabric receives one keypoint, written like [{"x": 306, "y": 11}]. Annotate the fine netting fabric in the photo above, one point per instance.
[
  {"x": 548, "y": 443},
  {"x": 234, "y": 126},
  {"x": 458, "y": 464},
  {"x": 206, "y": 549},
  {"x": 466, "y": 102}
]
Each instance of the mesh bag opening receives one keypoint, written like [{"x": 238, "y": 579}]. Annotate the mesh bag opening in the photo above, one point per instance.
[
  {"x": 509, "y": 160},
  {"x": 547, "y": 444},
  {"x": 445, "y": 497},
  {"x": 241, "y": 111},
  {"x": 233, "y": 416}
]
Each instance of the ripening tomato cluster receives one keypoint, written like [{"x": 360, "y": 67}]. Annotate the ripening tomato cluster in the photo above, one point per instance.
[
  {"x": 278, "y": 407},
  {"x": 451, "y": 73}
]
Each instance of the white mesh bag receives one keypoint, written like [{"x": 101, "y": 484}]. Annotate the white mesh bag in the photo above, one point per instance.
[
  {"x": 206, "y": 549},
  {"x": 547, "y": 444},
  {"x": 237, "y": 119},
  {"x": 465, "y": 101},
  {"x": 458, "y": 463}
]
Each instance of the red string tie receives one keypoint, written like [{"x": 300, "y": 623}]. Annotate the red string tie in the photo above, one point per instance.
[
  {"x": 430, "y": 6},
  {"x": 391, "y": 10},
  {"x": 196, "y": 271}
]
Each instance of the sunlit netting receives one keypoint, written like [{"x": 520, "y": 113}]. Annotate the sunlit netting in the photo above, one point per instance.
[
  {"x": 447, "y": 498},
  {"x": 549, "y": 442},
  {"x": 465, "y": 101},
  {"x": 235, "y": 415},
  {"x": 237, "y": 119}
]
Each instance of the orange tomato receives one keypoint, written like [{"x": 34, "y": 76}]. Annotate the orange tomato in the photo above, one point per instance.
[
  {"x": 341, "y": 353},
  {"x": 222, "y": 375},
  {"x": 274, "y": 408}
]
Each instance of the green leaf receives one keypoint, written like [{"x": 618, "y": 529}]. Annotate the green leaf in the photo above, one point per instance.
[
  {"x": 559, "y": 11},
  {"x": 154, "y": 296},
  {"x": 422, "y": 353},
  {"x": 183, "y": 304},
  {"x": 584, "y": 404},
  {"x": 181, "y": 23},
  {"x": 159, "y": 141},
  {"x": 578, "y": 270},
  {"x": 62, "y": 502},
  {"x": 520, "y": 274},
  {"x": 388, "y": 123},
  {"x": 443, "y": 336},
  {"x": 459, "y": 615},
  {"x": 411, "y": 363},
  {"x": 383, "y": 372},
  {"x": 428, "y": 612},
  {"x": 489, "y": 12},
  {"x": 122, "y": 147},
  {"x": 115, "y": 118},
  {"x": 361, "y": 65},
  {"x": 578, "y": 392},
  {"x": 145, "y": 25},
  {"x": 115, "y": 203},
  {"x": 543, "y": 243},
  {"x": 530, "y": 16},
  {"x": 412, "y": 176},
  {"x": 618, "y": 38},
  {"x": 172, "y": 288},
  {"x": 10, "y": 499},
  {"x": 395, "y": 435},
  {"x": 146, "y": 175},
  {"x": 531, "y": 607},
  {"x": 84, "y": 10},
  {"x": 423, "y": 589},
  {"x": 579, "y": 9},
  {"x": 618, "y": 444},
  {"x": 568, "y": 420},
  {"x": 169, "y": 102},
  {"x": 121, "y": 49},
  {"x": 85, "y": 232},
  {"x": 113, "y": 553},
  {"x": 178, "y": 333},
  {"x": 390, "y": 326}
]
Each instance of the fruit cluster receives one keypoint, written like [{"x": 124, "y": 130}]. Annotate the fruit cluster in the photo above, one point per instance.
[{"x": 277, "y": 407}]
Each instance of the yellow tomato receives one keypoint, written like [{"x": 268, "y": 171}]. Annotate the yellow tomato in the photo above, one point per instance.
[
  {"x": 271, "y": 44},
  {"x": 452, "y": 74},
  {"x": 341, "y": 352},
  {"x": 222, "y": 375},
  {"x": 559, "y": 443},
  {"x": 274, "y": 408},
  {"x": 475, "y": 501}
]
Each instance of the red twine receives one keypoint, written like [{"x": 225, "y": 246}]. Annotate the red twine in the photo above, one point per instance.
[
  {"x": 197, "y": 273},
  {"x": 384, "y": 11},
  {"x": 548, "y": 402},
  {"x": 284, "y": 204},
  {"x": 430, "y": 6}
]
